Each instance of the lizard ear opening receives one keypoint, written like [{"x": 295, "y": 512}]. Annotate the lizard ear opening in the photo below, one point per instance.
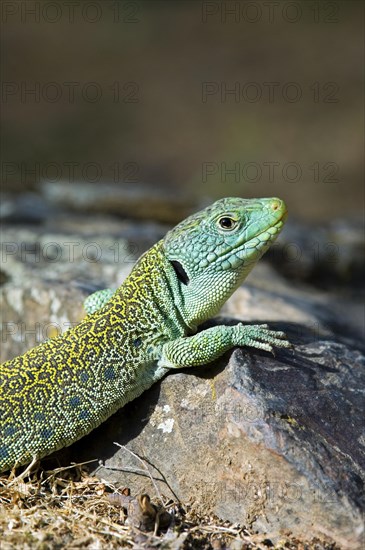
[{"x": 180, "y": 272}]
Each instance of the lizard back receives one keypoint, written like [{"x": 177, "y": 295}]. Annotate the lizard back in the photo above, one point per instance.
[{"x": 60, "y": 390}]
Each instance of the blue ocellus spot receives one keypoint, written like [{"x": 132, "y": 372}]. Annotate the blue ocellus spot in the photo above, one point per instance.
[
  {"x": 84, "y": 377},
  {"x": 46, "y": 433},
  {"x": 84, "y": 415},
  {"x": 109, "y": 373},
  {"x": 9, "y": 430},
  {"x": 38, "y": 416},
  {"x": 4, "y": 453},
  {"x": 74, "y": 401}
]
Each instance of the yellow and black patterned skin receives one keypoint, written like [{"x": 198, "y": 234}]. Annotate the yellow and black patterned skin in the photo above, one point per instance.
[
  {"x": 60, "y": 390},
  {"x": 82, "y": 377}
]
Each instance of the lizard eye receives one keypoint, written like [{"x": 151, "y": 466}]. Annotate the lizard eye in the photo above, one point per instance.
[{"x": 227, "y": 223}]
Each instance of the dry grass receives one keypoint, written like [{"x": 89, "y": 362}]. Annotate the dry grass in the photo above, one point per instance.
[{"x": 66, "y": 508}]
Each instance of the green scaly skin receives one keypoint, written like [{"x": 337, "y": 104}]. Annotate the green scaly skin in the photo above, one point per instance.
[{"x": 61, "y": 390}]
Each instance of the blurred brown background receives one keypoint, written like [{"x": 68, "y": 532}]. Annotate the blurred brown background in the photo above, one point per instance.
[{"x": 212, "y": 98}]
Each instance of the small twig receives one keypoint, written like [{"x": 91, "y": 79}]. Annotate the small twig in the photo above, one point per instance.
[
  {"x": 24, "y": 474},
  {"x": 103, "y": 521},
  {"x": 144, "y": 467},
  {"x": 131, "y": 471},
  {"x": 64, "y": 468}
]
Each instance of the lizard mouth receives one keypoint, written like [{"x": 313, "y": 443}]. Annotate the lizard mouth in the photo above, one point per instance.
[
  {"x": 264, "y": 237},
  {"x": 267, "y": 235},
  {"x": 257, "y": 245}
]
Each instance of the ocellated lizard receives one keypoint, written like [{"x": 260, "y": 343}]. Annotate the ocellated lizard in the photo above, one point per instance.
[{"x": 60, "y": 390}]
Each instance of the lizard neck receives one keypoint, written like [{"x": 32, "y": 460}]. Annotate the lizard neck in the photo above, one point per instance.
[{"x": 153, "y": 283}]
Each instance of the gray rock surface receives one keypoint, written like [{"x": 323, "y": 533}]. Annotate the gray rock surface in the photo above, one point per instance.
[
  {"x": 47, "y": 271},
  {"x": 136, "y": 201},
  {"x": 277, "y": 443},
  {"x": 326, "y": 256}
]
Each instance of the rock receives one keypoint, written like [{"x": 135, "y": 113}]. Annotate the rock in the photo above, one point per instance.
[
  {"x": 138, "y": 201},
  {"x": 23, "y": 208},
  {"x": 142, "y": 513},
  {"x": 276, "y": 443},
  {"x": 330, "y": 255},
  {"x": 47, "y": 271},
  {"x": 37, "y": 311},
  {"x": 264, "y": 291}
]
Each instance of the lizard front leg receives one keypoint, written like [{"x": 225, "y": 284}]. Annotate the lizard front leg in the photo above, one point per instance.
[
  {"x": 208, "y": 345},
  {"x": 98, "y": 300}
]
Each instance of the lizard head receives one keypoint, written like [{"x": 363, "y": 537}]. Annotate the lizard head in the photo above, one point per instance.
[{"x": 212, "y": 251}]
